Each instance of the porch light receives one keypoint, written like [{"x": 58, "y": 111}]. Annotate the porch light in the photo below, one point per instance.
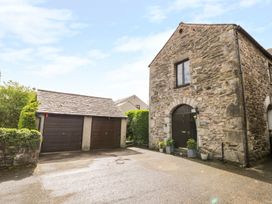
[{"x": 195, "y": 111}]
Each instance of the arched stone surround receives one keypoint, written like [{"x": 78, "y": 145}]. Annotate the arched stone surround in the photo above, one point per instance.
[{"x": 169, "y": 110}]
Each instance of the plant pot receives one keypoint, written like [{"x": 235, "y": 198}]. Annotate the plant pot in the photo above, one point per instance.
[
  {"x": 169, "y": 149},
  {"x": 204, "y": 156},
  {"x": 191, "y": 153},
  {"x": 161, "y": 150}
]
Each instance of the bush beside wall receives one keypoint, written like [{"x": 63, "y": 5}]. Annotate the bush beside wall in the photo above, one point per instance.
[
  {"x": 28, "y": 115},
  {"x": 137, "y": 126},
  {"x": 13, "y": 97},
  {"x": 19, "y": 147}
]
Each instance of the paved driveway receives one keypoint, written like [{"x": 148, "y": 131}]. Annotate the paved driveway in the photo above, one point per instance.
[{"x": 134, "y": 176}]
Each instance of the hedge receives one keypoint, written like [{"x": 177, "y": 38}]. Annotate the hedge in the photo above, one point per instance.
[
  {"x": 22, "y": 138},
  {"x": 137, "y": 126},
  {"x": 28, "y": 115}
]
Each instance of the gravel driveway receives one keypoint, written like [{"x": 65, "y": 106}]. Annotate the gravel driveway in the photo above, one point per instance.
[{"x": 134, "y": 176}]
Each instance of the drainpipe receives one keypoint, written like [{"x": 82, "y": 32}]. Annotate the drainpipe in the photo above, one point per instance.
[{"x": 245, "y": 139}]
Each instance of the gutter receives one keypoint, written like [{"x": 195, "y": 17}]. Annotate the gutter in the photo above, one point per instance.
[{"x": 245, "y": 139}]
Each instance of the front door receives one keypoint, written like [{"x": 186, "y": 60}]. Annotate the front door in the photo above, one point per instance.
[{"x": 183, "y": 125}]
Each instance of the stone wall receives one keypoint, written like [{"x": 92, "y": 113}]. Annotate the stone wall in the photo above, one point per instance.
[
  {"x": 18, "y": 156},
  {"x": 257, "y": 92},
  {"x": 215, "y": 88}
]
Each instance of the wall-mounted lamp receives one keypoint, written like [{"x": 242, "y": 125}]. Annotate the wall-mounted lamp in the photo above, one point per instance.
[{"x": 195, "y": 112}]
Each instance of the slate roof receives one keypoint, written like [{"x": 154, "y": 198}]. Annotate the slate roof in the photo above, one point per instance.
[
  {"x": 74, "y": 104},
  {"x": 122, "y": 100}
]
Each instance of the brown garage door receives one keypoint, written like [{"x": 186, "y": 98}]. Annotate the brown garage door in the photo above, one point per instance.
[
  {"x": 62, "y": 133},
  {"x": 105, "y": 132}
]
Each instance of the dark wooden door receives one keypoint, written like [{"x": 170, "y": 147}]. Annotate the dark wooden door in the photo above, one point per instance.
[
  {"x": 62, "y": 133},
  {"x": 105, "y": 132},
  {"x": 183, "y": 125}
]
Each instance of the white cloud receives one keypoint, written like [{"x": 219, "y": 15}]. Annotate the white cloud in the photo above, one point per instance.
[
  {"x": 30, "y": 23},
  {"x": 62, "y": 65},
  {"x": 97, "y": 54},
  {"x": 49, "y": 61},
  {"x": 149, "y": 44},
  {"x": 156, "y": 14},
  {"x": 206, "y": 9},
  {"x": 56, "y": 63},
  {"x": 14, "y": 55},
  {"x": 249, "y": 3},
  {"x": 210, "y": 11},
  {"x": 131, "y": 77}
]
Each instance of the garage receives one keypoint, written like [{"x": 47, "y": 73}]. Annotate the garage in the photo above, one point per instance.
[
  {"x": 105, "y": 132},
  {"x": 62, "y": 133},
  {"x": 72, "y": 122}
]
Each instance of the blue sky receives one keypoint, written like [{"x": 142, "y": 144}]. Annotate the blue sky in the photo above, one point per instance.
[{"x": 103, "y": 48}]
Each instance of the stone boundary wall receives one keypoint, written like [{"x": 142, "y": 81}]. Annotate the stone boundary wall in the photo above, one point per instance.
[{"x": 18, "y": 156}]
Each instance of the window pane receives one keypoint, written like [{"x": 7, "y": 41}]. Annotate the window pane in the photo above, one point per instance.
[
  {"x": 179, "y": 75},
  {"x": 187, "y": 77}
]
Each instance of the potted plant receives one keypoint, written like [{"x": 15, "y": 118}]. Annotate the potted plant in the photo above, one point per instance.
[
  {"x": 169, "y": 146},
  {"x": 204, "y": 154},
  {"x": 191, "y": 145},
  {"x": 161, "y": 146}
]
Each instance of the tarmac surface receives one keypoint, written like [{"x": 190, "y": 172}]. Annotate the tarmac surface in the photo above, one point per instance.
[{"x": 134, "y": 175}]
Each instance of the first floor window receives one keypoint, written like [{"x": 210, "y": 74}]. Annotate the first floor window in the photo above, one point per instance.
[{"x": 183, "y": 73}]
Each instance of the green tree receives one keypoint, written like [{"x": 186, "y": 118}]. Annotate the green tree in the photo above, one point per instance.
[
  {"x": 28, "y": 115},
  {"x": 13, "y": 97}
]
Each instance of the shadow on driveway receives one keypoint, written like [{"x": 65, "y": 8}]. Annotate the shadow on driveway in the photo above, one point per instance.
[
  {"x": 78, "y": 155},
  {"x": 16, "y": 173},
  {"x": 261, "y": 171}
]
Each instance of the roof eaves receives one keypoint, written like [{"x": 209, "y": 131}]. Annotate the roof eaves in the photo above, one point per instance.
[
  {"x": 263, "y": 50},
  {"x": 90, "y": 115},
  {"x": 72, "y": 94}
]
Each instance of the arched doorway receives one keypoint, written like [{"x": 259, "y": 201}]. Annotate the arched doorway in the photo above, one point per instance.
[{"x": 183, "y": 125}]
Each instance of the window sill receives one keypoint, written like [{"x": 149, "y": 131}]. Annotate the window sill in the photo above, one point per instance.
[{"x": 182, "y": 86}]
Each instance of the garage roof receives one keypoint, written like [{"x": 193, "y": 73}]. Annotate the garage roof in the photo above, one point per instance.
[{"x": 74, "y": 104}]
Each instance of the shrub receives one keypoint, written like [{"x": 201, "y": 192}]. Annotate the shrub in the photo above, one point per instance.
[
  {"x": 130, "y": 114},
  {"x": 13, "y": 97},
  {"x": 20, "y": 138},
  {"x": 161, "y": 144},
  {"x": 169, "y": 142},
  {"x": 28, "y": 115},
  {"x": 191, "y": 144},
  {"x": 137, "y": 127}
]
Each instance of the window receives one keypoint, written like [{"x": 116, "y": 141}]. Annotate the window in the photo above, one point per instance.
[
  {"x": 270, "y": 72},
  {"x": 183, "y": 73},
  {"x": 138, "y": 107}
]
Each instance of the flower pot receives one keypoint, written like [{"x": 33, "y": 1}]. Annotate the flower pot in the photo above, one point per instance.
[
  {"x": 168, "y": 149},
  {"x": 191, "y": 153},
  {"x": 204, "y": 156},
  {"x": 161, "y": 150}
]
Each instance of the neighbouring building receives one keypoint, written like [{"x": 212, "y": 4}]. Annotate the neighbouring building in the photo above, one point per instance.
[
  {"x": 212, "y": 82},
  {"x": 131, "y": 103},
  {"x": 77, "y": 122}
]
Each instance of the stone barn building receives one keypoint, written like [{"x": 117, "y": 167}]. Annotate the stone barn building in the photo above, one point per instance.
[{"x": 212, "y": 82}]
